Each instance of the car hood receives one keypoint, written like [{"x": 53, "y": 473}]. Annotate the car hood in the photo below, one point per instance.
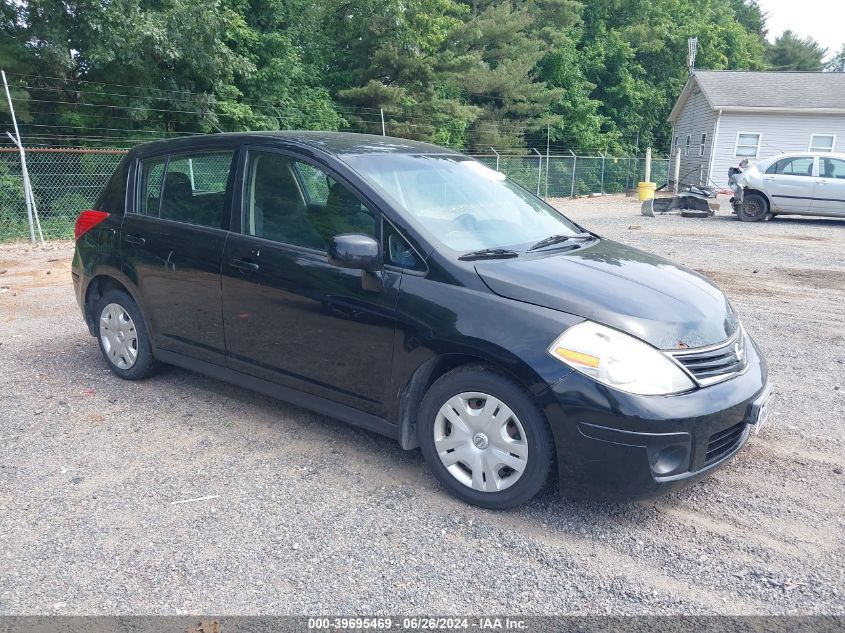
[
  {"x": 751, "y": 175},
  {"x": 644, "y": 295}
]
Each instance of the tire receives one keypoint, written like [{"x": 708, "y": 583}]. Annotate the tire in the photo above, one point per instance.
[
  {"x": 754, "y": 208},
  {"x": 501, "y": 478},
  {"x": 122, "y": 336}
]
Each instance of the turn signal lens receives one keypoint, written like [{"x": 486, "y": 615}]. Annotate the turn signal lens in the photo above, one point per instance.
[
  {"x": 86, "y": 221},
  {"x": 578, "y": 358}
]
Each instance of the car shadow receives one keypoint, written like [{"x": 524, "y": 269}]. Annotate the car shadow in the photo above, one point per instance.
[
  {"x": 407, "y": 469},
  {"x": 790, "y": 220}
]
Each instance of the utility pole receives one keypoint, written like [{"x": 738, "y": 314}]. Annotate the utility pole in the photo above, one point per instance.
[
  {"x": 548, "y": 135},
  {"x": 677, "y": 174},
  {"x": 29, "y": 199},
  {"x": 383, "y": 129},
  {"x": 602, "y": 171},
  {"x": 539, "y": 169}
]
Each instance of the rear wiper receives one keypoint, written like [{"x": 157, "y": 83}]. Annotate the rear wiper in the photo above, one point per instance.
[
  {"x": 557, "y": 239},
  {"x": 489, "y": 253}
]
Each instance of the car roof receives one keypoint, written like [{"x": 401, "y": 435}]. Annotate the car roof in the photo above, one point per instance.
[
  {"x": 800, "y": 154},
  {"x": 338, "y": 143}
]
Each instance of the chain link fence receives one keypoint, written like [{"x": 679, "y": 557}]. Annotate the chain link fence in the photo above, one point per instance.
[
  {"x": 67, "y": 181},
  {"x": 570, "y": 176},
  {"x": 64, "y": 182}
]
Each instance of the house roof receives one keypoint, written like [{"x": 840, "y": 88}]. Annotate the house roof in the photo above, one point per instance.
[{"x": 736, "y": 90}]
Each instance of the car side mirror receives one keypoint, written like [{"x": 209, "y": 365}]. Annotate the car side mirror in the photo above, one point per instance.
[{"x": 354, "y": 250}]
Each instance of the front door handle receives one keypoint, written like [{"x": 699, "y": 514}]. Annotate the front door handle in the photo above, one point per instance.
[
  {"x": 134, "y": 239},
  {"x": 244, "y": 264},
  {"x": 821, "y": 182}
]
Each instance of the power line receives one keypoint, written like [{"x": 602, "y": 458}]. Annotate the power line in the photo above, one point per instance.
[{"x": 354, "y": 118}]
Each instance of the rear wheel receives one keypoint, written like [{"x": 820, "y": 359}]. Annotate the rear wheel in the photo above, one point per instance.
[
  {"x": 122, "y": 336},
  {"x": 754, "y": 208},
  {"x": 484, "y": 437}
]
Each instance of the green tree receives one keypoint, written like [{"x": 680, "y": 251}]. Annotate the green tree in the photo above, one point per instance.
[
  {"x": 282, "y": 87},
  {"x": 392, "y": 55},
  {"x": 14, "y": 58},
  {"x": 635, "y": 53},
  {"x": 464, "y": 73},
  {"x": 791, "y": 52},
  {"x": 837, "y": 62},
  {"x": 506, "y": 41},
  {"x": 182, "y": 66}
]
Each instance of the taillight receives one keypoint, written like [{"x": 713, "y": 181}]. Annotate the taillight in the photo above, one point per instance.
[{"x": 86, "y": 221}]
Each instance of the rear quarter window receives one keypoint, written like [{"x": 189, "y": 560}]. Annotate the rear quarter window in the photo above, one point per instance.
[{"x": 113, "y": 198}]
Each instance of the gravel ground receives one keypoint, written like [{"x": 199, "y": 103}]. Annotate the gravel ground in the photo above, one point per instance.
[{"x": 312, "y": 516}]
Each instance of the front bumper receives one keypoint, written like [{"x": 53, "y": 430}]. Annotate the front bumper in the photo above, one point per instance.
[{"x": 615, "y": 445}]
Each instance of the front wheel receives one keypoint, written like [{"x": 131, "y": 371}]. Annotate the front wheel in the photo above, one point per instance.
[
  {"x": 754, "y": 208},
  {"x": 484, "y": 437}
]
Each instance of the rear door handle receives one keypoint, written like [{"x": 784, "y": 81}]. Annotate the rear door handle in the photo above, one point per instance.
[
  {"x": 243, "y": 264},
  {"x": 134, "y": 239}
]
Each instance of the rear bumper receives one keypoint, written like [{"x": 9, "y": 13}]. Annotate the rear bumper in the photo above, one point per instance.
[{"x": 614, "y": 445}]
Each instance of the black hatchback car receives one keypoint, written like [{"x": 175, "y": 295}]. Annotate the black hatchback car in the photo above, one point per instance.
[{"x": 410, "y": 290}]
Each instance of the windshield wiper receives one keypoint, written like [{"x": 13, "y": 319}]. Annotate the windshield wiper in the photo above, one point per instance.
[
  {"x": 557, "y": 239},
  {"x": 489, "y": 253}
]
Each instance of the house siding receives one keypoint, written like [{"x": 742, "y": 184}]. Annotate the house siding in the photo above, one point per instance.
[
  {"x": 696, "y": 118},
  {"x": 780, "y": 133}
]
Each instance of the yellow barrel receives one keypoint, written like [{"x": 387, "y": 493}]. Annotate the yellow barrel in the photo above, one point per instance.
[{"x": 646, "y": 190}]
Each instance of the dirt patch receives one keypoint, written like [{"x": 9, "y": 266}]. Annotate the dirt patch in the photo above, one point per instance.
[{"x": 833, "y": 280}]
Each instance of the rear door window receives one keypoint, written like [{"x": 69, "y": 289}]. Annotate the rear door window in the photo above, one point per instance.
[{"x": 188, "y": 188}]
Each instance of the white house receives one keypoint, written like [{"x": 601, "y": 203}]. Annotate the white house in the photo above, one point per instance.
[{"x": 724, "y": 116}]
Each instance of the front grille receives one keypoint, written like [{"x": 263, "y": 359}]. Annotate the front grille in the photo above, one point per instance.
[
  {"x": 724, "y": 443},
  {"x": 714, "y": 363}
]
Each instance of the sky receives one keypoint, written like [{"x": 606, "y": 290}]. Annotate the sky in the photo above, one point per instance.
[{"x": 820, "y": 19}]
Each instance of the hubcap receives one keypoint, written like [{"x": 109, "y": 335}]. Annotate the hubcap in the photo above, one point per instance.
[
  {"x": 480, "y": 441},
  {"x": 118, "y": 336}
]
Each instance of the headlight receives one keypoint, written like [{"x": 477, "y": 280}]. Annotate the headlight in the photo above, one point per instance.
[{"x": 618, "y": 360}]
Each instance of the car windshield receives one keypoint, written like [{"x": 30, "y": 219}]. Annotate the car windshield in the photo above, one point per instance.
[{"x": 462, "y": 203}]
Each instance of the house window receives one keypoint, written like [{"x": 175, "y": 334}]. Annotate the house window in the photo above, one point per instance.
[
  {"x": 747, "y": 144},
  {"x": 702, "y": 145},
  {"x": 822, "y": 142},
  {"x": 686, "y": 149}
]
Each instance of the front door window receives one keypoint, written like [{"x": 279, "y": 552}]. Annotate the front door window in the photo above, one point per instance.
[{"x": 297, "y": 203}]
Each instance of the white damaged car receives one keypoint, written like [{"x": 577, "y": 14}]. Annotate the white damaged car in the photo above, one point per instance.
[{"x": 799, "y": 183}]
